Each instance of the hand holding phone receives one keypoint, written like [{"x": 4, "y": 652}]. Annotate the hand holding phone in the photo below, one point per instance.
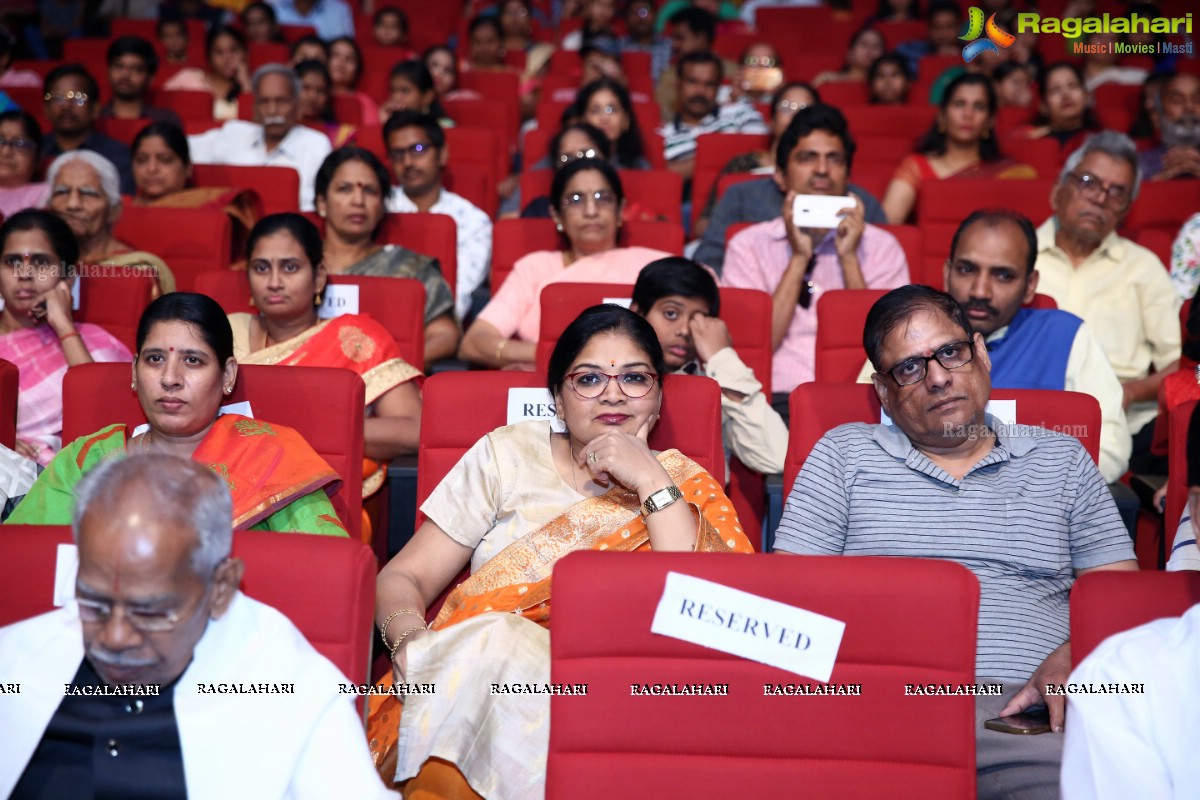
[
  {"x": 1031, "y": 722},
  {"x": 819, "y": 211}
]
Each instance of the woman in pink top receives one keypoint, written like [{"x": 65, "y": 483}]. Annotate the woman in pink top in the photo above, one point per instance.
[
  {"x": 586, "y": 199},
  {"x": 20, "y": 142}
]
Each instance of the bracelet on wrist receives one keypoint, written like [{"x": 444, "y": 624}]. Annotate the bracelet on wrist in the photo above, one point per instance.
[
  {"x": 396, "y": 645},
  {"x": 63, "y": 339},
  {"x": 500, "y": 348},
  {"x": 384, "y": 627}
]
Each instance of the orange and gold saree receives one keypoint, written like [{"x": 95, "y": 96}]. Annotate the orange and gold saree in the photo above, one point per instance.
[{"x": 517, "y": 583}]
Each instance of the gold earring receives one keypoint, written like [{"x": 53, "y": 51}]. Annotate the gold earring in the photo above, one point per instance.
[
  {"x": 321, "y": 213},
  {"x": 316, "y": 301},
  {"x": 252, "y": 302}
]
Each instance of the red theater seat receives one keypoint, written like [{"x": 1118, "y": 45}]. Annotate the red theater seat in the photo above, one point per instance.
[
  {"x": 396, "y": 303},
  {"x": 10, "y": 377},
  {"x": 325, "y": 405},
  {"x": 190, "y": 106},
  {"x": 279, "y": 187},
  {"x": 115, "y": 303},
  {"x": 1107, "y": 603},
  {"x": 908, "y": 621},
  {"x": 841, "y": 314},
  {"x": 191, "y": 240},
  {"x": 952, "y": 200},
  {"x": 1177, "y": 457},
  {"x": 1164, "y": 204},
  {"x": 713, "y": 152}
]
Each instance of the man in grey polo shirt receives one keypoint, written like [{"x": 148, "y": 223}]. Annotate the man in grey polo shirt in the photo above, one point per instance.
[{"x": 1023, "y": 508}]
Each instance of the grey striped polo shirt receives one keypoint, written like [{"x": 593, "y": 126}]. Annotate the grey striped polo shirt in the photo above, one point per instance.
[{"x": 1025, "y": 517}]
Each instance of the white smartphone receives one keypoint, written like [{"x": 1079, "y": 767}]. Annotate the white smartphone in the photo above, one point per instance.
[{"x": 818, "y": 210}]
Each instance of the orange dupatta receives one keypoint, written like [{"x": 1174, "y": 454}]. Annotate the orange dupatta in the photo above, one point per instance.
[
  {"x": 518, "y": 579},
  {"x": 282, "y": 467}
]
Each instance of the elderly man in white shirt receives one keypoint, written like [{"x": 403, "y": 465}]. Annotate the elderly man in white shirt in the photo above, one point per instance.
[
  {"x": 417, "y": 150},
  {"x": 274, "y": 139}
]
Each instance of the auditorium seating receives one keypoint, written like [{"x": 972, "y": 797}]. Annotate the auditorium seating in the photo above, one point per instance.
[
  {"x": 325, "y": 585},
  {"x": 115, "y": 303},
  {"x": 325, "y": 405},
  {"x": 713, "y": 152},
  {"x": 190, "y": 240},
  {"x": 397, "y": 304},
  {"x": 1177, "y": 479},
  {"x": 1106, "y": 603},
  {"x": 10, "y": 377},
  {"x": 907, "y": 621},
  {"x": 279, "y": 187}
]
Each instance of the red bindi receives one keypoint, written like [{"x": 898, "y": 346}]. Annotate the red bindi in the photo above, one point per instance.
[{"x": 171, "y": 349}]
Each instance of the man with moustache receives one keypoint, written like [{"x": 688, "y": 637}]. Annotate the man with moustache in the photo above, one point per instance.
[
  {"x": 991, "y": 274},
  {"x": 274, "y": 139},
  {"x": 72, "y": 102},
  {"x": 796, "y": 266},
  {"x": 1120, "y": 289},
  {"x": 697, "y": 112},
  {"x": 1024, "y": 508},
  {"x": 125, "y": 692},
  {"x": 1177, "y": 154}
]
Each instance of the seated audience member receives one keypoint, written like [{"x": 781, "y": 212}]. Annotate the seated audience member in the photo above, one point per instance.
[
  {"x": 1023, "y": 508},
  {"x": 132, "y": 63},
  {"x": 1177, "y": 153},
  {"x": 83, "y": 191},
  {"x": 1184, "y": 554},
  {"x": 796, "y": 266},
  {"x": 1013, "y": 84},
  {"x": 640, "y": 36},
  {"x": 758, "y": 78},
  {"x": 416, "y": 145},
  {"x": 888, "y": 80},
  {"x": 20, "y": 142},
  {"x": 1119, "y": 288},
  {"x": 597, "y": 16},
  {"x": 162, "y": 169},
  {"x": 411, "y": 88},
  {"x": 389, "y": 26},
  {"x": 693, "y": 30},
  {"x": 316, "y": 103},
  {"x": 352, "y": 189},
  {"x": 533, "y": 76},
  {"x": 72, "y": 101},
  {"x": 485, "y": 49},
  {"x": 345, "y": 70},
  {"x": 961, "y": 143},
  {"x": 10, "y": 77},
  {"x": 274, "y": 139},
  {"x": 227, "y": 75},
  {"x": 759, "y": 200},
  {"x": 698, "y": 113},
  {"x": 516, "y": 24},
  {"x": 1100, "y": 57},
  {"x": 512, "y": 496},
  {"x": 897, "y": 11},
  {"x": 330, "y": 18},
  {"x": 865, "y": 47},
  {"x": 944, "y": 19},
  {"x": 38, "y": 254},
  {"x": 157, "y": 526},
  {"x": 1185, "y": 256},
  {"x": 308, "y": 48},
  {"x": 278, "y": 480},
  {"x": 680, "y": 299},
  {"x": 574, "y": 141},
  {"x": 442, "y": 64},
  {"x": 991, "y": 274},
  {"x": 172, "y": 36},
  {"x": 586, "y": 199},
  {"x": 1136, "y": 745},
  {"x": 1065, "y": 108},
  {"x": 605, "y": 103},
  {"x": 261, "y": 25},
  {"x": 287, "y": 282}
]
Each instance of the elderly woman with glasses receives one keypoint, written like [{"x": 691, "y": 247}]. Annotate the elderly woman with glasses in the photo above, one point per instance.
[
  {"x": 528, "y": 494},
  {"x": 84, "y": 192},
  {"x": 20, "y": 143},
  {"x": 586, "y": 200}
]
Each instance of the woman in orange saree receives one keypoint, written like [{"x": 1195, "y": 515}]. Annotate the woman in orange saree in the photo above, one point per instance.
[{"x": 520, "y": 499}]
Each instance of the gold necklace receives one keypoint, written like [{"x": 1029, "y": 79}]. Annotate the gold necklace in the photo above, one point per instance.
[{"x": 146, "y": 439}]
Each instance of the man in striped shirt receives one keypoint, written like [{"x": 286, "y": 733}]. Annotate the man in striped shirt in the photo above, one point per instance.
[{"x": 1023, "y": 508}]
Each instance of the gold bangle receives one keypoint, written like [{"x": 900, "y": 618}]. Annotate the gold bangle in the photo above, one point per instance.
[
  {"x": 383, "y": 628},
  {"x": 403, "y": 636},
  {"x": 500, "y": 348}
]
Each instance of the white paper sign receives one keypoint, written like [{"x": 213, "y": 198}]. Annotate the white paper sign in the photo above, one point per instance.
[
  {"x": 1005, "y": 412},
  {"x": 66, "y": 566},
  {"x": 242, "y": 407},
  {"x": 75, "y": 295},
  {"x": 623, "y": 302},
  {"x": 340, "y": 298},
  {"x": 743, "y": 624},
  {"x": 525, "y": 403}
]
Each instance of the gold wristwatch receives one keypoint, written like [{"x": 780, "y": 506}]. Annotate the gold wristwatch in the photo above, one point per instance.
[{"x": 661, "y": 499}]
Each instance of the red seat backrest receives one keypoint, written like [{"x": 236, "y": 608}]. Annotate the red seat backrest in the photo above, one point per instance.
[
  {"x": 1042, "y": 154},
  {"x": 713, "y": 152},
  {"x": 912, "y": 242},
  {"x": 397, "y": 304},
  {"x": 514, "y": 238},
  {"x": 907, "y": 621},
  {"x": 325, "y": 405},
  {"x": 950, "y": 201},
  {"x": 656, "y": 192},
  {"x": 123, "y": 130},
  {"x": 1105, "y": 603},
  {"x": 260, "y": 54},
  {"x": 493, "y": 115},
  {"x": 1164, "y": 204},
  {"x": 817, "y": 408},
  {"x": 190, "y": 240},
  {"x": 434, "y": 235},
  {"x": 279, "y": 187},
  {"x": 10, "y": 377},
  {"x": 475, "y": 148},
  {"x": 189, "y": 105},
  {"x": 889, "y": 120},
  {"x": 841, "y": 315},
  {"x": 115, "y": 303}
]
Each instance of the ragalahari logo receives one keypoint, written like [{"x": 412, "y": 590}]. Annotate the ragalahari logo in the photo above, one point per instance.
[{"x": 997, "y": 38}]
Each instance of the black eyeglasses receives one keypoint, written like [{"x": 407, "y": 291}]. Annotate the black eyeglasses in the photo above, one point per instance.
[
  {"x": 416, "y": 151},
  {"x": 590, "y": 385},
  {"x": 18, "y": 143},
  {"x": 950, "y": 356},
  {"x": 1094, "y": 189}
]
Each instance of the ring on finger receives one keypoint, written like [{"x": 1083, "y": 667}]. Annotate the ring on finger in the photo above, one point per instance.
[{"x": 592, "y": 457}]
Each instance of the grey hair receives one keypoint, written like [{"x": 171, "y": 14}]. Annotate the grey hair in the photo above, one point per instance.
[
  {"x": 276, "y": 69},
  {"x": 181, "y": 490},
  {"x": 1112, "y": 144},
  {"x": 110, "y": 181}
]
